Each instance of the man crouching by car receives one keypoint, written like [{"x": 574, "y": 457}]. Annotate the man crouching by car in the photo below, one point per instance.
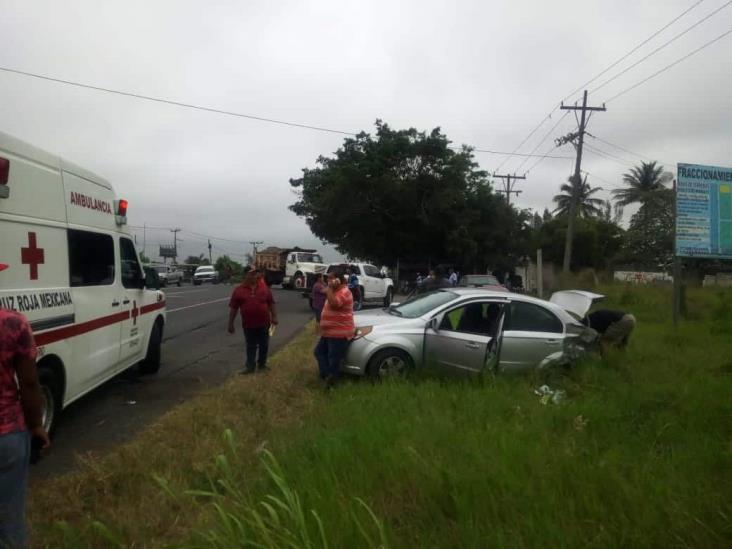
[{"x": 614, "y": 327}]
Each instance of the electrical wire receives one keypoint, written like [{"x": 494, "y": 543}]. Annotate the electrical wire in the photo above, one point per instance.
[
  {"x": 670, "y": 65},
  {"x": 639, "y": 155},
  {"x": 608, "y": 156},
  {"x": 633, "y": 50},
  {"x": 532, "y": 132},
  {"x": 662, "y": 46},
  {"x": 539, "y": 144}
]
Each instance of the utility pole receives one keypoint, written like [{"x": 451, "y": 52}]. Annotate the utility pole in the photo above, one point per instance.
[
  {"x": 210, "y": 259},
  {"x": 254, "y": 244},
  {"x": 175, "y": 243},
  {"x": 507, "y": 186},
  {"x": 577, "y": 177}
]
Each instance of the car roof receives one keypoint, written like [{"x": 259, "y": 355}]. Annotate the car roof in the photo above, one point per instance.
[{"x": 483, "y": 292}]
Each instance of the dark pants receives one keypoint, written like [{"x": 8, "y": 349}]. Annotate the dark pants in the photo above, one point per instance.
[
  {"x": 329, "y": 353},
  {"x": 257, "y": 339},
  {"x": 14, "y": 456}
]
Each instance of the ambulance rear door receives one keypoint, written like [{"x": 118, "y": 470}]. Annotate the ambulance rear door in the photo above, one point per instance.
[{"x": 131, "y": 296}]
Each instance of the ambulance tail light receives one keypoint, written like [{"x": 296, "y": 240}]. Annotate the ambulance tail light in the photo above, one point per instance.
[
  {"x": 4, "y": 176},
  {"x": 120, "y": 211}
]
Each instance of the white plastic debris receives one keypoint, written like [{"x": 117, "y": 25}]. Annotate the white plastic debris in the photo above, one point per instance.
[{"x": 547, "y": 394}]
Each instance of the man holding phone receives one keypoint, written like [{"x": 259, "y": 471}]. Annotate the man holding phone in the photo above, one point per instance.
[
  {"x": 20, "y": 420},
  {"x": 336, "y": 329}
]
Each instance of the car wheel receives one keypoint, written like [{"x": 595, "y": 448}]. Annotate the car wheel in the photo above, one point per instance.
[
  {"x": 180, "y": 282},
  {"x": 50, "y": 397},
  {"x": 196, "y": 282},
  {"x": 299, "y": 282},
  {"x": 151, "y": 364},
  {"x": 390, "y": 363},
  {"x": 389, "y": 296}
]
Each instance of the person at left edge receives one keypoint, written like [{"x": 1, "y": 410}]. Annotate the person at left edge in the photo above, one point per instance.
[
  {"x": 254, "y": 301},
  {"x": 20, "y": 420}
]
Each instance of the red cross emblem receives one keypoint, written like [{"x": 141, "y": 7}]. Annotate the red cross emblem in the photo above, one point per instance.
[
  {"x": 135, "y": 313},
  {"x": 32, "y": 255}
]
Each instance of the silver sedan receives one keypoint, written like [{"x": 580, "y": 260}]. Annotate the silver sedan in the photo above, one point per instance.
[{"x": 470, "y": 330}]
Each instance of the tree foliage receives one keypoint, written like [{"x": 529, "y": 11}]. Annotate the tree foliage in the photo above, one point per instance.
[
  {"x": 405, "y": 194},
  {"x": 649, "y": 239},
  {"x": 643, "y": 184},
  {"x": 227, "y": 266},
  {"x": 586, "y": 205}
]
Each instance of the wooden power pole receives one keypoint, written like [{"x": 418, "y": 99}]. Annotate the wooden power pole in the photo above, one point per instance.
[
  {"x": 508, "y": 186},
  {"x": 576, "y": 178}
]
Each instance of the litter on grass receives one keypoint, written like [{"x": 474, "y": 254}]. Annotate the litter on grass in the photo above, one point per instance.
[{"x": 547, "y": 395}]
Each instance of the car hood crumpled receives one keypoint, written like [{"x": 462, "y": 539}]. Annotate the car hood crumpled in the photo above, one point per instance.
[{"x": 576, "y": 301}]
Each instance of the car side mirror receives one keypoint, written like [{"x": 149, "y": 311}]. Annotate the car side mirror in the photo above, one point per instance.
[
  {"x": 152, "y": 280},
  {"x": 435, "y": 324}
]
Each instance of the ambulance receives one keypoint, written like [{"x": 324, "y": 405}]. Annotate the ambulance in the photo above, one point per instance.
[{"x": 70, "y": 266}]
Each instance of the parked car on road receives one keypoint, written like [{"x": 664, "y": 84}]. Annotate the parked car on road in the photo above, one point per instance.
[
  {"x": 471, "y": 330},
  {"x": 168, "y": 275},
  {"x": 374, "y": 286},
  {"x": 205, "y": 273},
  {"x": 487, "y": 281}
]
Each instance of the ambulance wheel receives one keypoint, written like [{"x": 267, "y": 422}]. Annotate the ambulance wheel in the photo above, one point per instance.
[
  {"x": 50, "y": 397},
  {"x": 151, "y": 364}
]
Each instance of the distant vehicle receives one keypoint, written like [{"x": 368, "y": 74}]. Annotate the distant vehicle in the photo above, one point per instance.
[
  {"x": 486, "y": 281},
  {"x": 374, "y": 285},
  {"x": 471, "y": 330},
  {"x": 75, "y": 274},
  {"x": 292, "y": 267},
  {"x": 205, "y": 273},
  {"x": 168, "y": 274}
]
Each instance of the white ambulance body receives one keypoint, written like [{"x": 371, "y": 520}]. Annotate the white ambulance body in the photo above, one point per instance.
[{"x": 73, "y": 271}]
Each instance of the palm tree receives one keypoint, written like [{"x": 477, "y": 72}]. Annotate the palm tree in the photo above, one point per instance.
[
  {"x": 585, "y": 205},
  {"x": 644, "y": 183}
]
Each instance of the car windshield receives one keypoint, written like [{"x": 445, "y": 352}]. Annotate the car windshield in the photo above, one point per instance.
[
  {"x": 161, "y": 269},
  {"x": 309, "y": 258},
  {"x": 204, "y": 269},
  {"x": 479, "y": 280},
  {"x": 423, "y": 304}
]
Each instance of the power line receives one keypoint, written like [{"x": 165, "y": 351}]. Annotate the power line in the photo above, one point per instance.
[
  {"x": 175, "y": 103},
  {"x": 530, "y": 155},
  {"x": 670, "y": 65},
  {"x": 614, "y": 64},
  {"x": 633, "y": 50},
  {"x": 554, "y": 127},
  {"x": 609, "y": 156},
  {"x": 662, "y": 46},
  {"x": 639, "y": 155},
  {"x": 215, "y": 110}
]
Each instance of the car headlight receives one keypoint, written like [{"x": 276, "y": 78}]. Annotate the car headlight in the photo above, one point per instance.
[{"x": 362, "y": 331}]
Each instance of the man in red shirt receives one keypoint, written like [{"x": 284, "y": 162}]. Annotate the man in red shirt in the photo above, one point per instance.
[
  {"x": 20, "y": 416},
  {"x": 336, "y": 329},
  {"x": 253, "y": 299}
]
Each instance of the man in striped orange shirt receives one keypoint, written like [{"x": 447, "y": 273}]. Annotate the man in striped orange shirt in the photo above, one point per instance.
[{"x": 336, "y": 329}]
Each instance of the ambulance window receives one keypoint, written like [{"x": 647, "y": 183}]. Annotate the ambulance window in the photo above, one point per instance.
[
  {"x": 131, "y": 272},
  {"x": 91, "y": 258}
]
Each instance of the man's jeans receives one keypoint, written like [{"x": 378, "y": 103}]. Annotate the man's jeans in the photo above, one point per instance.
[
  {"x": 14, "y": 456},
  {"x": 329, "y": 353},
  {"x": 257, "y": 338}
]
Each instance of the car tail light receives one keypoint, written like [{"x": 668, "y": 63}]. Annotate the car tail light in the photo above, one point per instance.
[{"x": 4, "y": 171}]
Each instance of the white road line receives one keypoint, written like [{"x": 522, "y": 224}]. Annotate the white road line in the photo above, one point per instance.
[
  {"x": 198, "y": 305},
  {"x": 184, "y": 292}
]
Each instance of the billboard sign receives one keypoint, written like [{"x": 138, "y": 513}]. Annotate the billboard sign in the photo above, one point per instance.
[{"x": 704, "y": 211}]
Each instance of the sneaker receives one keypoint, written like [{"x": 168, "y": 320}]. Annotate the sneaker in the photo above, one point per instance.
[{"x": 246, "y": 371}]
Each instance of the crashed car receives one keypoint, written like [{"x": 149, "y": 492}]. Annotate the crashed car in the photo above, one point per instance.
[{"x": 471, "y": 330}]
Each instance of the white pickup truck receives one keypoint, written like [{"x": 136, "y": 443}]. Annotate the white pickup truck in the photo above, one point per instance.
[
  {"x": 168, "y": 275},
  {"x": 374, "y": 287}
]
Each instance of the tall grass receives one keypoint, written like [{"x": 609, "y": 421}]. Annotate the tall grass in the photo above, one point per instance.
[{"x": 638, "y": 454}]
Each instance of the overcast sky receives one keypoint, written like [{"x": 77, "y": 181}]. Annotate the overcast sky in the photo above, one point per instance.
[{"x": 486, "y": 72}]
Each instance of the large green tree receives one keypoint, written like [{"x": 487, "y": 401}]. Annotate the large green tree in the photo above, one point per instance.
[
  {"x": 586, "y": 205},
  {"x": 648, "y": 242},
  {"x": 409, "y": 195},
  {"x": 644, "y": 184}
]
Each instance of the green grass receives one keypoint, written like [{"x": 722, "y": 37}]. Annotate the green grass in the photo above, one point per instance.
[{"x": 638, "y": 454}]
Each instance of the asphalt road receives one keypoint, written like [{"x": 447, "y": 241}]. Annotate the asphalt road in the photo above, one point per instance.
[{"x": 197, "y": 352}]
